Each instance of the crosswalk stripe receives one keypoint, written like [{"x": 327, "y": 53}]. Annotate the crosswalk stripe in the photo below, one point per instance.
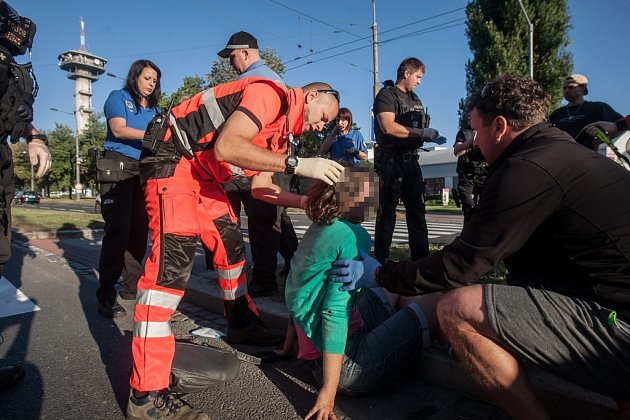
[{"x": 400, "y": 235}]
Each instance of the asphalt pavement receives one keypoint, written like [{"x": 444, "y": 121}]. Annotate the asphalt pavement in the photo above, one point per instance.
[{"x": 78, "y": 363}]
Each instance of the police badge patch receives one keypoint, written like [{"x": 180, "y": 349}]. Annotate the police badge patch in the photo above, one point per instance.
[{"x": 129, "y": 104}]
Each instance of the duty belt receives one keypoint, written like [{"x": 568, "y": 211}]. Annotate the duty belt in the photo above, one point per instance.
[
  {"x": 404, "y": 156},
  {"x": 125, "y": 162}
]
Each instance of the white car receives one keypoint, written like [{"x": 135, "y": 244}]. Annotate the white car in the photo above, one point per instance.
[{"x": 97, "y": 204}]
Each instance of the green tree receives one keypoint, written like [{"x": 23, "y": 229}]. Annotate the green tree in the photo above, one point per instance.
[
  {"x": 21, "y": 167},
  {"x": 92, "y": 138},
  {"x": 498, "y": 38},
  {"x": 61, "y": 143},
  {"x": 192, "y": 85},
  {"x": 222, "y": 72}
]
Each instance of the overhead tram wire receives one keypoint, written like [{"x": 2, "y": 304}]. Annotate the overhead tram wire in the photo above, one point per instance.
[
  {"x": 435, "y": 28},
  {"x": 314, "y": 18},
  {"x": 369, "y": 37},
  {"x": 210, "y": 46}
]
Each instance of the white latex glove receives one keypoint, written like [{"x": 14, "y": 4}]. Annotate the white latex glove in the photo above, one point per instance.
[
  {"x": 430, "y": 133},
  {"x": 39, "y": 154},
  {"x": 327, "y": 170}
]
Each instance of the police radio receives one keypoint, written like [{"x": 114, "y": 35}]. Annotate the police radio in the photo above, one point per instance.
[{"x": 156, "y": 130}]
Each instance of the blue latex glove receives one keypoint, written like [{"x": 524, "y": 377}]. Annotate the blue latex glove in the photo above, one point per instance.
[
  {"x": 355, "y": 274},
  {"x": 439, "y": 140}
]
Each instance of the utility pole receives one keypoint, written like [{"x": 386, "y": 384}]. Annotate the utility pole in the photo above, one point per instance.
[
  {"x": 530, "y": 26},
  {"x": 375, "y": 47}
]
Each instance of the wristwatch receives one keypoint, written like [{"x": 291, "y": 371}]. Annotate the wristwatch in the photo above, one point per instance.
[
  {"x": 290, "y": 163},
  {"x": 39, "y": 136}
]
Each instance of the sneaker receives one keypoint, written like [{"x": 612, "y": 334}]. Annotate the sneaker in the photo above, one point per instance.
[
  {"x": 110, "y": 310},
  {"x": 162, "y": 404},
  {"x": 257, "y": 333}
]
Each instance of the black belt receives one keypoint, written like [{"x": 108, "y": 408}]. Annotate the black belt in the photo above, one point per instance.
[
  {"x": 129, "y": 163},
  {"x": 406, "y": 156}
]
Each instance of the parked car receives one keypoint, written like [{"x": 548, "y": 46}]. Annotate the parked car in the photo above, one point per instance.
[
  {"x": 97, "y": 204},
  {"x": 17, "y": 197},
  {"x": 30, "y": 197},
  {"x": 56, "y": 194}
]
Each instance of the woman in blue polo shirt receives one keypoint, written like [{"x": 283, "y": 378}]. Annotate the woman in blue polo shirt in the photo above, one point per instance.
[
  {"x": 128, "y": 111},
  {"x": 345, "y": 144}
]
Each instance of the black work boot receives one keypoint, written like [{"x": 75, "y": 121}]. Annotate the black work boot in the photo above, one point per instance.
[
  {"x": 11, "y": 375},
  {"x": 245, "y": 327},
  {"x": 110, "y": 310},
  {"x": 162, "y": 404}
]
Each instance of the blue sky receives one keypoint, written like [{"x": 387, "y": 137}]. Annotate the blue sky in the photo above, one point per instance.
[{"x": 183, "y": 37}]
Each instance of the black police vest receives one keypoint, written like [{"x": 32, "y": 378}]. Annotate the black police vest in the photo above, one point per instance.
[
  {"x": 410, "y": 113},
  {"x": 18, "y": 86}
]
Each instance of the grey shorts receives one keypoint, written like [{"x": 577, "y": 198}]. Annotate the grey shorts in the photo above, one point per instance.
[{"x": 570, "y": 337}]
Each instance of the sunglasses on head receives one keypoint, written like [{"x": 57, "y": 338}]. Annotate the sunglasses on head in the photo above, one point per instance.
[
  {"x": 332, "y": 92},
  {"x": 485, "y": 90}
]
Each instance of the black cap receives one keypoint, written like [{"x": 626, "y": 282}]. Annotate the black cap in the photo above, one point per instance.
[{"x": 238, "y": 41}]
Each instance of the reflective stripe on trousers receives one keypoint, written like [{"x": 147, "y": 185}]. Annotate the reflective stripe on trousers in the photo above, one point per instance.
[{"x": 179, "y": 212}]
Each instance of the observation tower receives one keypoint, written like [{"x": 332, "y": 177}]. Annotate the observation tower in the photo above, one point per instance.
[{"x": 84, "y": 68}]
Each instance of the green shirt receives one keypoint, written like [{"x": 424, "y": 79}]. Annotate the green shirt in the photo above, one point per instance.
[{"x": 317, "y": 305}]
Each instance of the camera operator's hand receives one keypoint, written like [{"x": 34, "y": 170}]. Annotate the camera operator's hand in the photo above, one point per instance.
[
  {"x": 327, "y": 170},
  {"x": 430, "y": 133},
  {"x": 38, "y": 154},
  {"x": 352, "y": 150}
]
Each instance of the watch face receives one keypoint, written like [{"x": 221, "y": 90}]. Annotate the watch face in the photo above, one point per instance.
[{"x": 292, "y": 161}]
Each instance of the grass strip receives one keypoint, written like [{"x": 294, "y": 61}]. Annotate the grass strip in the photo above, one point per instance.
[{"x": 32, "y": 219}]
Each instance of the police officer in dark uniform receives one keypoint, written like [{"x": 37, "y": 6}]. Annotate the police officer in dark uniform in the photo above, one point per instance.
[
  {"x": 17, "y": 94},
  {"x": 472, "y": 169},
  {"x": 401, "y": 127}
]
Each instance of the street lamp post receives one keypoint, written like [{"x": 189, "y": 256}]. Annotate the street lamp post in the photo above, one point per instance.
[
  {"x": 530, "y": 26},
  {"x": 78, "y": 187}
]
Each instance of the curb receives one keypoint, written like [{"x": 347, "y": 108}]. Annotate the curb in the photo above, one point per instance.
[{"x": 57, "y": 234}]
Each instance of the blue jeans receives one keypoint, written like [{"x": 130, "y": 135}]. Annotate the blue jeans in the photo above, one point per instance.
[{"x": 386, "y": 344}]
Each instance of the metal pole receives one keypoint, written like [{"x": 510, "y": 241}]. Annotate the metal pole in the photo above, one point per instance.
[
  {"x": 530, "y": 26},
  {"x": 32, "y": 177},
  {"x": 78, "y": 187},
  {"x": 375, "y": 47}
]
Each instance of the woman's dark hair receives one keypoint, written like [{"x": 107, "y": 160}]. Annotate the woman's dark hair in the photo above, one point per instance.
[
  {"x": 131, "y": 84},
  {"x": 321, "y": 203},
  {"x": 345, "y": 114}
]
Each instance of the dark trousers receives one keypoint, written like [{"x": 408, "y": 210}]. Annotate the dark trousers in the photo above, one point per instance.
[
  {"x": 125, "y": 240},
  {"x": 7, "y": 191},
  {"x": 469, "y": 192},
  {"x": 238, "y": 192},
  {"x": 400, "y": 179},
  {"x": 270, "y": 232}
]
